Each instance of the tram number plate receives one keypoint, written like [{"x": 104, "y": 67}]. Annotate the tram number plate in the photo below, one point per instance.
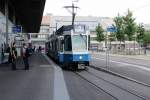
[{"x": 81, "y": 66}]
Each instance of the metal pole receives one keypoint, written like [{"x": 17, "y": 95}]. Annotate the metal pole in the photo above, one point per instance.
[
  {"x": 6, "y": 14},
  {"x": 107, "y": 52},
  {"x": 72, "y": 12},
  {"x": 73, "y": 15},
  {"x": 106, "y": 59},
  {"x": 56, "y": 26},
  {"x": 106, "y": 49}
]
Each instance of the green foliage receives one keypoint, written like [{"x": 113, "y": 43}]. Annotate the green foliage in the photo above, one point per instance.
[
  {"x": 146, "y": 38},
  {"x": 126, "y": 27},
  {"x": 119, "y": 24},
  {"x": 129, "y": 25},
  {"x": 112, "y": 37},
  {"x": 140, "y": 32},
  {"x": 99, "y": 33}
]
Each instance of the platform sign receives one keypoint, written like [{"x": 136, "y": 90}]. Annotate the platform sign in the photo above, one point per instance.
[
  {"x": 17, "y": 29},
  {"x": 111, "y": 29}
]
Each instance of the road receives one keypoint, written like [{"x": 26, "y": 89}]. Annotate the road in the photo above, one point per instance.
[{"x": 134, "y": 68}]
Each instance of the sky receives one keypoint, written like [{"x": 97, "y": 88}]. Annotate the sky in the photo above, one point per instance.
[{"x": 102, "y": 8}]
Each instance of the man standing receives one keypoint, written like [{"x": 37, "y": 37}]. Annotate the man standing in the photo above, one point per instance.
[
  {"x": 14, "y": 56},
  {"x": 2, "y": 54},
  {"x": 25, "y": 55}
]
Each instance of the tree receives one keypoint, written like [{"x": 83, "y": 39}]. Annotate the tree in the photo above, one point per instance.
[
  {"x": 146, "y": 38},
  {"x": 130, "y": 25},
  {"x": 119, "y": 24},
  {"x": 112, "y": 37},
  {"x": 99, "y": 33},
  {"x": 140, "y": 32}
]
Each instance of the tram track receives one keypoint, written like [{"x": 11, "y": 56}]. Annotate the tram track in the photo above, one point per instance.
[
  {"x": 131, "y": 91},
  {"x": 119, "y": 75},
  {"x": 96, "y": 85}
]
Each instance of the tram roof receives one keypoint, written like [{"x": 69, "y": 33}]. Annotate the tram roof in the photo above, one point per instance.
[{"x": 64, "y": 28}]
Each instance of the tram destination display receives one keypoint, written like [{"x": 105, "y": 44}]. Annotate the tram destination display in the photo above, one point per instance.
[{"x": 79, "y": 28}]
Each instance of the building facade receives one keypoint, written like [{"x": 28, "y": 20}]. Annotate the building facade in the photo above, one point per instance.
[
  {"x": 3, "y": 34},
  {"x": 51, "y": 23}
]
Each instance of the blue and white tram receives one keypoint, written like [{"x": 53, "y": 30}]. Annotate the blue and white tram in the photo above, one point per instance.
[{"x": 69, "y": 46}]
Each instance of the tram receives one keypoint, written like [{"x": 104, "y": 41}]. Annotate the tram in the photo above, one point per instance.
[{"x": 69, "y": 46}]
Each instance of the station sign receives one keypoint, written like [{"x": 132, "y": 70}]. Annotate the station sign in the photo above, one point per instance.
[
  {"x": 111, "y": 29},
  {"x": 17, "y": 29}
]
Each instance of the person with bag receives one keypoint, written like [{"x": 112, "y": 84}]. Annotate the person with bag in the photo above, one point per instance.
[
  {"x": 25, "y": 55},
  {"x": 10, "y": 56},
  {"x": 13, "y": 56}
]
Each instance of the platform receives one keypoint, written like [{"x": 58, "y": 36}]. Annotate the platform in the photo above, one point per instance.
[{"x": 34, "y": 84}]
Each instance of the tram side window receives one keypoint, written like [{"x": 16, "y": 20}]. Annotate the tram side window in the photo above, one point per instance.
[
  {"x": 50, "y": 45},
  {"x": 67, "y": 43},
  {"x": 53, "y": 46},
  {"x": 89, "y": 42},
  {"x": 56, "y": 46},
  {"x": 61, "y": 45}
]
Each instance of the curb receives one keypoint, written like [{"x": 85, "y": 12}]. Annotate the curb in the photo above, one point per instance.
[
  {"x": 125, "y": 56},
  {"x": 60, "y": 88}
]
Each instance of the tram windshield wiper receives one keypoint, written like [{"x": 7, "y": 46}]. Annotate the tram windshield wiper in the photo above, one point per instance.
[{"x": 83, "y": 38}]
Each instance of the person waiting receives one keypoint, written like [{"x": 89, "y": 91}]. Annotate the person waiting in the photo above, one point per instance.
[{"x": 25, "y": 55}]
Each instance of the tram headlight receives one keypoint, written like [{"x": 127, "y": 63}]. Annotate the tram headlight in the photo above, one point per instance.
[{"x": 80, "y": 57}]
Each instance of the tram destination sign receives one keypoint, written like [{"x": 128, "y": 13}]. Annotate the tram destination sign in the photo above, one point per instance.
[{"x": 79, "y": 28}]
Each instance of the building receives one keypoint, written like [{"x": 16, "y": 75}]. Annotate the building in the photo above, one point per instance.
[
  {"x": 51, "y": 23},
  {"x": 45, "y": 25}
]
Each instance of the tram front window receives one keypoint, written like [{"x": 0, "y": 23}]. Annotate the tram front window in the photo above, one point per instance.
[{"x": 79, "y": 43}]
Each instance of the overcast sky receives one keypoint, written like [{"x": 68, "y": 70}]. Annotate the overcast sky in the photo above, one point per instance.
[{"x": 102, "y": 8}]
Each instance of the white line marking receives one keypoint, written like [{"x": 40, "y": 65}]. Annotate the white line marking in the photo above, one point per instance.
[
  {"x": 45, "y": 66},
  {"x": 60, "y": 89},
  {"x": 128, "y": 64}
]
